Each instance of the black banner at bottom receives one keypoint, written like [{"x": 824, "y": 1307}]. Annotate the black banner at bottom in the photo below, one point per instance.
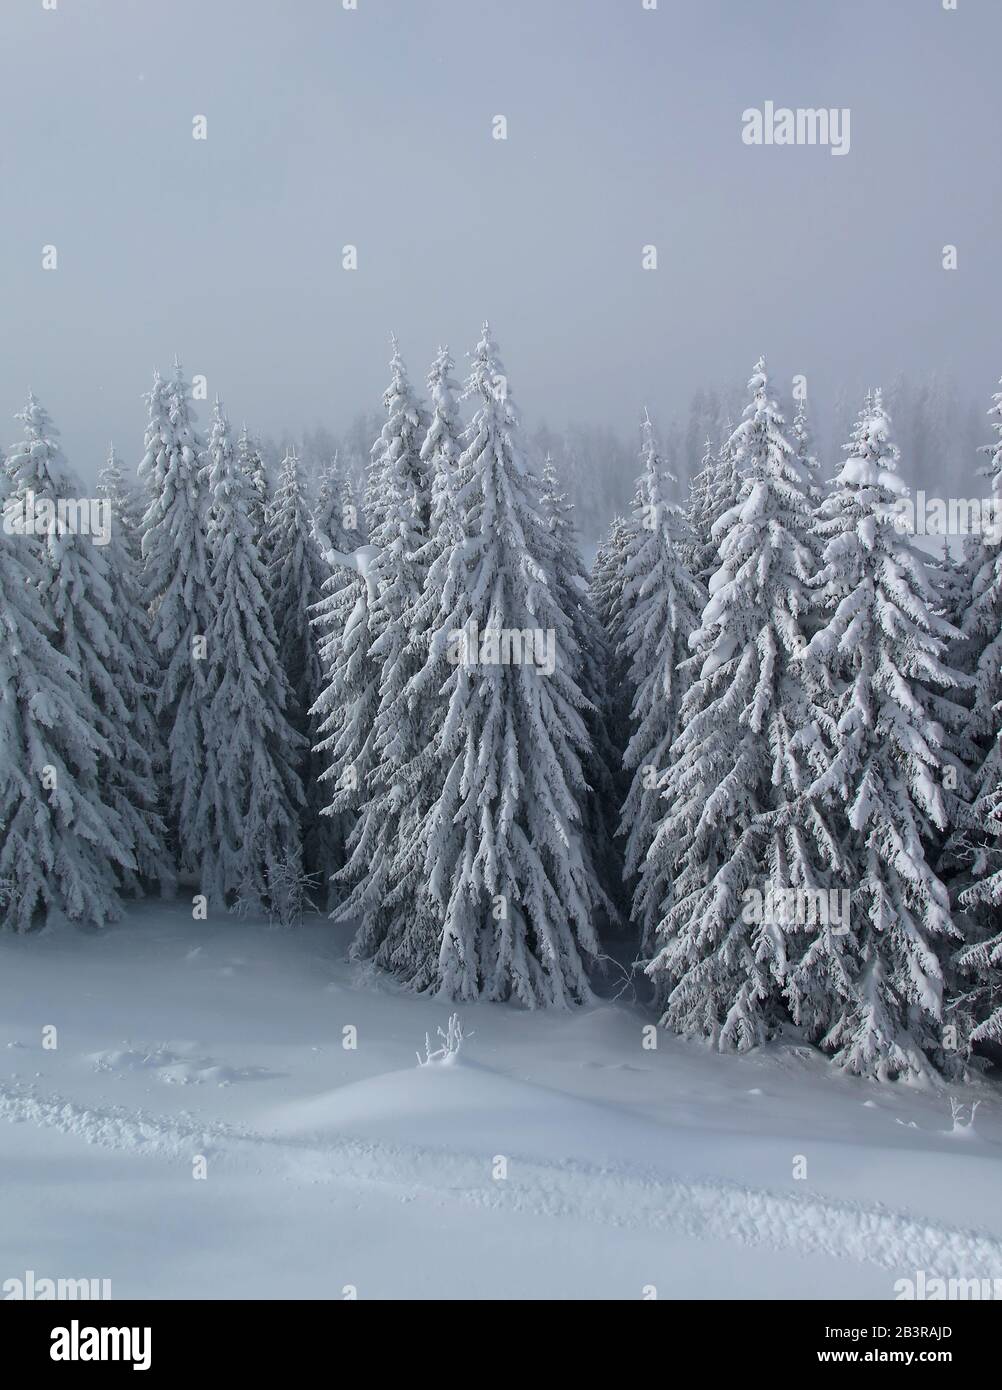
[{"x": 181, "y": 1338}]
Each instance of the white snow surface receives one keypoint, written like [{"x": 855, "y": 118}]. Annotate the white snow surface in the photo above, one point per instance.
[{"x": 555, "y": 1158}]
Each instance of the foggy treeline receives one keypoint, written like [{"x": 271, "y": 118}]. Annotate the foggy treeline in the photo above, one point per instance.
[{"x": 940, "y": 427}]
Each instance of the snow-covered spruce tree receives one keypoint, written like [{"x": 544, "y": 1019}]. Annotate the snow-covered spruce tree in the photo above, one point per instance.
[
  {"x": 950, "y": 577},
  {"x": 250, "y": 460},
  {"x": 402, "y": 434},
  {"x": 809, "y": 466},
  {"x": 177, "y": 593},
  {"x": 336, "y": 481},
  {"x": 397, "y": 576},
  {"x": 607, "y": 579},
  {"x": 128, "y": 503},
  {"x": 607, "y": 583},
  {"x": 591, "y": 656},
  {"x": 736, "y": 817},
  {"x": 978, "y": 841},
  {"x": 981, "y": 961},
  {"x": 63, "y": 838},
  {"x": 345, "y": 712},
  {"x": 696, "y": 511},
  {"x": 406, "y": 937},
  {"x": 297, "y": 575},
  {"x": 880, "y": 650},
  {"x": 662, "y": 604},
  {"x": 803, "y": 452},
  {"x": 982, "y": 628},
  {"x": 713, "y": 493},
  {"x": 441, "y": 450},
  {"x": 358, "y": 523},
  {"x": 253, "y": 795},
  {"x": 503, "y": 842},
  {"x": 133, "y": 774},
  {"x": 335, "y": 516}
]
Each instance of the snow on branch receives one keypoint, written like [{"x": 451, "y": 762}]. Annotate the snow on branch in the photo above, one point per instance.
[
  {"x": 361, "y": 561},
  {"x": 452, "y": 1041}
]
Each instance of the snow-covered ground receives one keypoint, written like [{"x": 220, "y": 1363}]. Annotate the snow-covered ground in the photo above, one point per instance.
[{"x": 557, "y": 1157}]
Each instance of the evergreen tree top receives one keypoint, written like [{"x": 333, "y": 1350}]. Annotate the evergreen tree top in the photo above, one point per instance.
[
  {"x": 226, "y": 482},
  {"x": 442, "y": 391},
  {"x": 655, "y": 475},
  {"x": 869, "y": 479},
  {"x": 37, "y": 462},
  {"x": 441, "y": 449},
  {"x": 397, "y": 479},
  {"x": 488, "y": 379},
  {"x": 759, "y": 445},
  {"x": 111, "y": 479}
]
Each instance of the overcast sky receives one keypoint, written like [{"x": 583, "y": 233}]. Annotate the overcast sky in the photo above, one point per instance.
[{"x": 374, "y": 127}]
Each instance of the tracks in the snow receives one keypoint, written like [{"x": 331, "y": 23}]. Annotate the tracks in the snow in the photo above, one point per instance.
[{"x": 713, "y": 1210}]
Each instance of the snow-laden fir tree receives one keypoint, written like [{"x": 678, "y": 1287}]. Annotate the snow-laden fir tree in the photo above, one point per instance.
[
  {"x": 713, "y": 492},
  {"x": 345, "y": 712},
  {"x": 297, "y": 575},
  {"x": 406, "y": 938},
  {"x": 251, "y": 461},
  {"x": 128, "y": 503},
  {"x": 397, "y": 578},
  {"x": 63, "y": 836},
  {"x": 397, "y": 451},
  {"x": 124, "y": 505},
  {"x": 441, "y": 448},
  {"x": 803, "y": 451},
  {"x": 662, "y": 604},
  {"x": 177, "y": 592},
  {"x": 736, "y": 820},
  {"x": 950, "y": 577},
  {"x": 503, "y": 842},
  {"x": 704, "y": 423},
  {"x": 607, "y": 584},
  {"x": 335, "y": 528},
  {"x": 133, "y": 774},
  {"x": 981, "y": 961},
  {"x": 809, "y": 466},
  {"x": 880, "y": 651},
  {"x": 355, "y": 519},
  {"x": 335, "y": 516},
  {"x": 591, "y": 656},
  {"x": 982, "y": 627},
  {"x": 55, "y": 844},
  {"x": 978, "y": 840},
  {"x": 700, "y": 524},
  {"x": 250, "y": 816},
  {"x": 607, "y": 579}
]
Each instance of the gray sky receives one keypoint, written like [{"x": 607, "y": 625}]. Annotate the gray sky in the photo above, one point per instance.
[{"x": 373, "y": 127}]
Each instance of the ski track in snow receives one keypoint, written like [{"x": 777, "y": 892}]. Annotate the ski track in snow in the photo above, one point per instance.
[{"x": 808, "y": 1225}]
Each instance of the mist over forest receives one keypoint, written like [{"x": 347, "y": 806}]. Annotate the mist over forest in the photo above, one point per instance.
[{"x": 940, "y": 426}]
